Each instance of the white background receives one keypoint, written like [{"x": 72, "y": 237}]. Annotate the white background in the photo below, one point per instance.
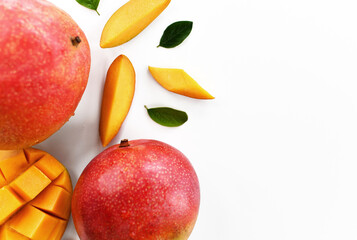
[{"x": 276, "y": 151}]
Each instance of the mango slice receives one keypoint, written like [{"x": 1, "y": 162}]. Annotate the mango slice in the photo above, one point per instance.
[
  {"x": 117, "y": 97},
  {"x": 129, "y": 20},
  {"x": 35, "y": 197},
  {"x": 178, "y": 81}
]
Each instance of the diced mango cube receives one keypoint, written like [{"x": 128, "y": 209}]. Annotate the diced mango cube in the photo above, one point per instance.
[
  {"x": 2, "y": 179},
  {"x": 7, "y": 233},
  {"x": 29, "y": 184},
  {"x": 58, "y": 230},
  {"x": 2, "y": 232},
  {"x": 9, "y": 204},
  {"x": 33, "y": 223},
  {"x": 13, "y": 166},
  {"x": 54, "y": 200},
  {"x": 64, "y": 181},
  {"x": 50, "y": 166},
  {"x": 33, "y": 154},
  {"x": 13, "y": 235},
  {"x": 5, "y": 154}
]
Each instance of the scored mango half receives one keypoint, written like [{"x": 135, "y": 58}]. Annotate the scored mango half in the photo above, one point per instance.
[{"x": 35, "y": 196}]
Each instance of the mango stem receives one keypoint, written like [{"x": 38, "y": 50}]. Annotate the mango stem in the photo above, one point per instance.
[
  {"x": 76, "y": 41},
  {"x": 124, "y": 143}
]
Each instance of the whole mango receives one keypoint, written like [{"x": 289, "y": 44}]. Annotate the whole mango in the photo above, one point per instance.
[
  {"x": 137, "y": 190},
  {"x": 44, "y": 69}
]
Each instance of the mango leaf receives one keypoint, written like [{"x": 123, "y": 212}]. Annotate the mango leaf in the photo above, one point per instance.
[
  {"x": 167, "y": 117},
  {"x": 175, "y": 34},
  {"x": 91, "y": 4}
]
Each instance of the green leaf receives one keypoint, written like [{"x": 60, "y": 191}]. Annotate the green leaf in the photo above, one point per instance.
[
  {"x": 167, "y": 117},
  {"x": 175, "y": 34},
  {"x": 91, "y": 4}
]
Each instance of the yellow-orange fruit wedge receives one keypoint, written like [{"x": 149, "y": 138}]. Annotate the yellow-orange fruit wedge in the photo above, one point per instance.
[
  {"x": 178, "y": 81},
  {"x": 117, "y": 97},
  {"x": 35, "y": 196},
  {"x": 129, "y": 20}
]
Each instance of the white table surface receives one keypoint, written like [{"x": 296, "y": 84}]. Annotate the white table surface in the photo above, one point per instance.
[{"x": 276, "y": 151}]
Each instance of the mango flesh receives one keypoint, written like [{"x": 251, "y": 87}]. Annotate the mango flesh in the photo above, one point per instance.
[
  {"x": 35, "y": 196},
  {"x": 129, "y": 20},
  {"x": 178, "y": 81},
  {"x": 117, "y": 97},
  {"x": 44, "y": 69}
]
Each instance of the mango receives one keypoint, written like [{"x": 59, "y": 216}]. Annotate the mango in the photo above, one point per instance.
[
  {"x": 35, "y": 196},
  {"x": 129, "y": 20},
  {"x": 178, "y": 81},
  {"x": 45, "y": 61},
  {"x": 117, "y": 97},
  {"x": 7, "y": 233},
  {"x": 137, "y": 190}
]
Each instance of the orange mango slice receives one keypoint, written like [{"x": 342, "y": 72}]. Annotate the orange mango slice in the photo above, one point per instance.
[
  {"x": 35, "y": 196},
  {"x": 129, "y": 20},
  {"x": 178, "y": 81},
  {"x": 117, "y": 97}
]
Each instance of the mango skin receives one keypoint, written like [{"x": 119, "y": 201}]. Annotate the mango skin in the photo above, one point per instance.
[
  {"x": 43, "y": 71},
  {"x": 142, "y": 190}
]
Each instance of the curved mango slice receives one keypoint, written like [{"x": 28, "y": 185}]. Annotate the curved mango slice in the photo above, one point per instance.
[
  {"x": 178, "y": 81},
  {"x": 129, "y": 20},
  {"x": 117, "y": 97},
  {"x": 35, "y": 196}
]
